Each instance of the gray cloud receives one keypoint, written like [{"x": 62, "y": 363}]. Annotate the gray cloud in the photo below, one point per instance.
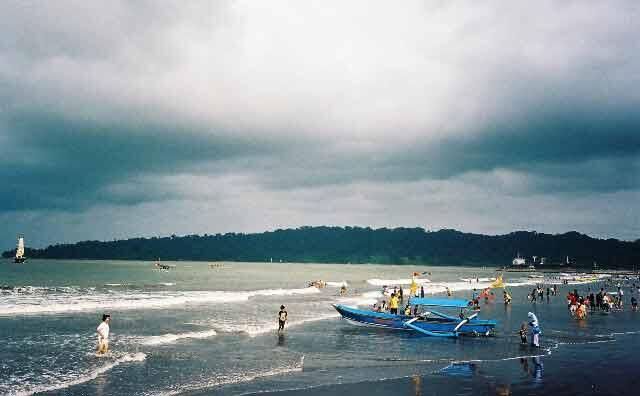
[{"x": 130, "y": 105}]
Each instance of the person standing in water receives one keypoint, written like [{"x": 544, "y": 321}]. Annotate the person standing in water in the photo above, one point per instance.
[
  {"x": 506, "y": 297},
  {"x": 523, "y": 334},
  {"x": 103, "y": 334},
  {"x": 282, "y": 318},
  {"x": 393, "y": 304},
  {"x": 535, "y": 329}
]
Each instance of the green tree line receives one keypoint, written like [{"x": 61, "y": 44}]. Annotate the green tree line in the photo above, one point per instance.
[{"x": 359, "y": 245}]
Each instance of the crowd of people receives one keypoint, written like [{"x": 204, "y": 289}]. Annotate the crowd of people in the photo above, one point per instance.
[
  {"x": 396, "y": 299},
  {"x": 603, "y": 301}
]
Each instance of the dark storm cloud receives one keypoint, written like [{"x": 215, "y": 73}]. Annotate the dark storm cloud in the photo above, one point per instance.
[
  {"x": 70, "y": 163},
  {"x": 564, "y": 142},
  {"x": 124, "y": 104}
]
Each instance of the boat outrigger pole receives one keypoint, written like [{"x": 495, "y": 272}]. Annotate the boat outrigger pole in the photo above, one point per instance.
[{"x": 409, "y": 324}]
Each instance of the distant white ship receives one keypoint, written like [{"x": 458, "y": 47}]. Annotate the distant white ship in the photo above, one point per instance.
[
  {"x": 518, "y": 261},
  {"x": 20, "y": 258}
]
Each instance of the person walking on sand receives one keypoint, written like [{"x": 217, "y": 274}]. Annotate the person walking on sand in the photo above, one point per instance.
[
  {"x": 103, "y": 335},
  {"x": 282, "y": 318}
]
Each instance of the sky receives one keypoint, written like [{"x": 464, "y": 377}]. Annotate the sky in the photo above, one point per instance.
[{"x": 125, "y": 119}]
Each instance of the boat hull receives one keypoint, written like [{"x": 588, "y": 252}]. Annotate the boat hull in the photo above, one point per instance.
[
  {"x": 433, "y": 325},
  {"x": 19, "y": 260}
]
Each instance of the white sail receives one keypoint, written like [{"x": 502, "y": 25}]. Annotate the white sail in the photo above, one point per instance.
[{"x": 20, "y": 248}]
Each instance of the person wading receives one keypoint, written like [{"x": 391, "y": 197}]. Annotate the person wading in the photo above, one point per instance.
[
  {"x": 282, "y": 318},
  {"x": 103, "y": 335}
]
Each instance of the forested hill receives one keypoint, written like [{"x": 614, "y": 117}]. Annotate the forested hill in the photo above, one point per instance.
[{"x": 359, "y": 245}]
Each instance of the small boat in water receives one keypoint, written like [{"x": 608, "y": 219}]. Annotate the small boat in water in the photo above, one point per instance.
[
  {"x": 429, "y": 322},
  {"x": 20, "y": 257},
  {"x": 163, "y": 267}
]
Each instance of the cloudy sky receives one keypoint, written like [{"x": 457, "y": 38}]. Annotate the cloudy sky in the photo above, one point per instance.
[{"x": 123, "y": 119}]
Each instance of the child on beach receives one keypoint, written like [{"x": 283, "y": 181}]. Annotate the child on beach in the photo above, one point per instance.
[
  {"x": 523, "y": 334},
  {"x": 282, "y": 318}
]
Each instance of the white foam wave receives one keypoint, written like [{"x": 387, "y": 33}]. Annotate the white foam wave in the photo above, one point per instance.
[
  {"x": 52, "y": 303},
  {"x": 134, "y": 357},
  {"x": 221, "y": 380},
  {"x": 394, "y": 282},
  {"x": 366, "y": 298},
  {"x": 254, "y": 329},
  {"x": 170, "y": 338},
  {"x": 477, "y": 280},
  {"x": 337, "y": 284}
]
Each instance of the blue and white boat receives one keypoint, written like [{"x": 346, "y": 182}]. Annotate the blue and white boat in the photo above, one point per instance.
[{"x": 428, "y": 321}]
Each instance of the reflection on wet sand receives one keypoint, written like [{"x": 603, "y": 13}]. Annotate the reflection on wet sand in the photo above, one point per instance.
[
  {"x": 417, "y": 382},
  {"x": 536, "y": 372},
  {"x": 503, "y": 390}
]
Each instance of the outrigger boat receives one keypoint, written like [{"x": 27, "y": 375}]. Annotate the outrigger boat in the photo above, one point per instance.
[{"x": 429, "y": 322}]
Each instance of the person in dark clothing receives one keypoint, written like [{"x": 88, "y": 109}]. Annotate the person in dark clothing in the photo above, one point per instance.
[
  {"x": 282, "y": 318},
  {"x": 421, "y": 291},
  {"x": 523, "y": 334}
]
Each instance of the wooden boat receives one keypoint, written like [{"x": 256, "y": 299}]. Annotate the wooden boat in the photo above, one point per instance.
[{"x": 429, "y": 322}]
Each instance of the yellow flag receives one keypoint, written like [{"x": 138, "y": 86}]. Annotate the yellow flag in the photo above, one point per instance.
[
  {"x": 414, "y": 288},
  {"x": 498, "y": 283}
]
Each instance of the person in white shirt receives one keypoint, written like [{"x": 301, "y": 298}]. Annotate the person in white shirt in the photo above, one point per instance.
[{"x": 103, "y": 334}]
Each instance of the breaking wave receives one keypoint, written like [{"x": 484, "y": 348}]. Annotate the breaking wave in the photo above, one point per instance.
[
  {"x": 254, "y": 329},
  {"x": 30, "y": 300},
  {"x": 134, "y": 357},
  {"x": 170, "y": 338},
  {"x": 393, "y": 282}
]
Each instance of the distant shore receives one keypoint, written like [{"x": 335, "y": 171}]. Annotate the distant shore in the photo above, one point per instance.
[{"x": 357, "y": 245}]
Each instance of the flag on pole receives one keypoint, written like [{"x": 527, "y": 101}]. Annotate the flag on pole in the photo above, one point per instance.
[{"x": 498, "y": 283}]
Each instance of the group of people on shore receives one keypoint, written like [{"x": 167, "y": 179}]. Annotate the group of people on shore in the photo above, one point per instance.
[
  {"x": 603, "y": 301},
  {"x": 396, "y": 299},
  {"x": 539, "y": 293}
]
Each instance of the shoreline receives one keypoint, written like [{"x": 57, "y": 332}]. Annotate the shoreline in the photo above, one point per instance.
[
  {"x": 497, "y": 268},
  {"x": 558, "y": 372}
]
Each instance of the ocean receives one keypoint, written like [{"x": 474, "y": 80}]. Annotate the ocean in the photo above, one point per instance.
[{"x": 203, "y": 328}]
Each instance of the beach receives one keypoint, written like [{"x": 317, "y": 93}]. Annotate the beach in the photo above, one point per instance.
[{"x": 200, "y": 329}]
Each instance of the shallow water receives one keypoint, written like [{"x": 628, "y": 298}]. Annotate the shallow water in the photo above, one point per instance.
[{"x": 200, "y": 330}]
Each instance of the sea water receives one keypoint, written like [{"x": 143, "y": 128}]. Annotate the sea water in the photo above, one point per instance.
[{"x": 211, "y": 329}]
